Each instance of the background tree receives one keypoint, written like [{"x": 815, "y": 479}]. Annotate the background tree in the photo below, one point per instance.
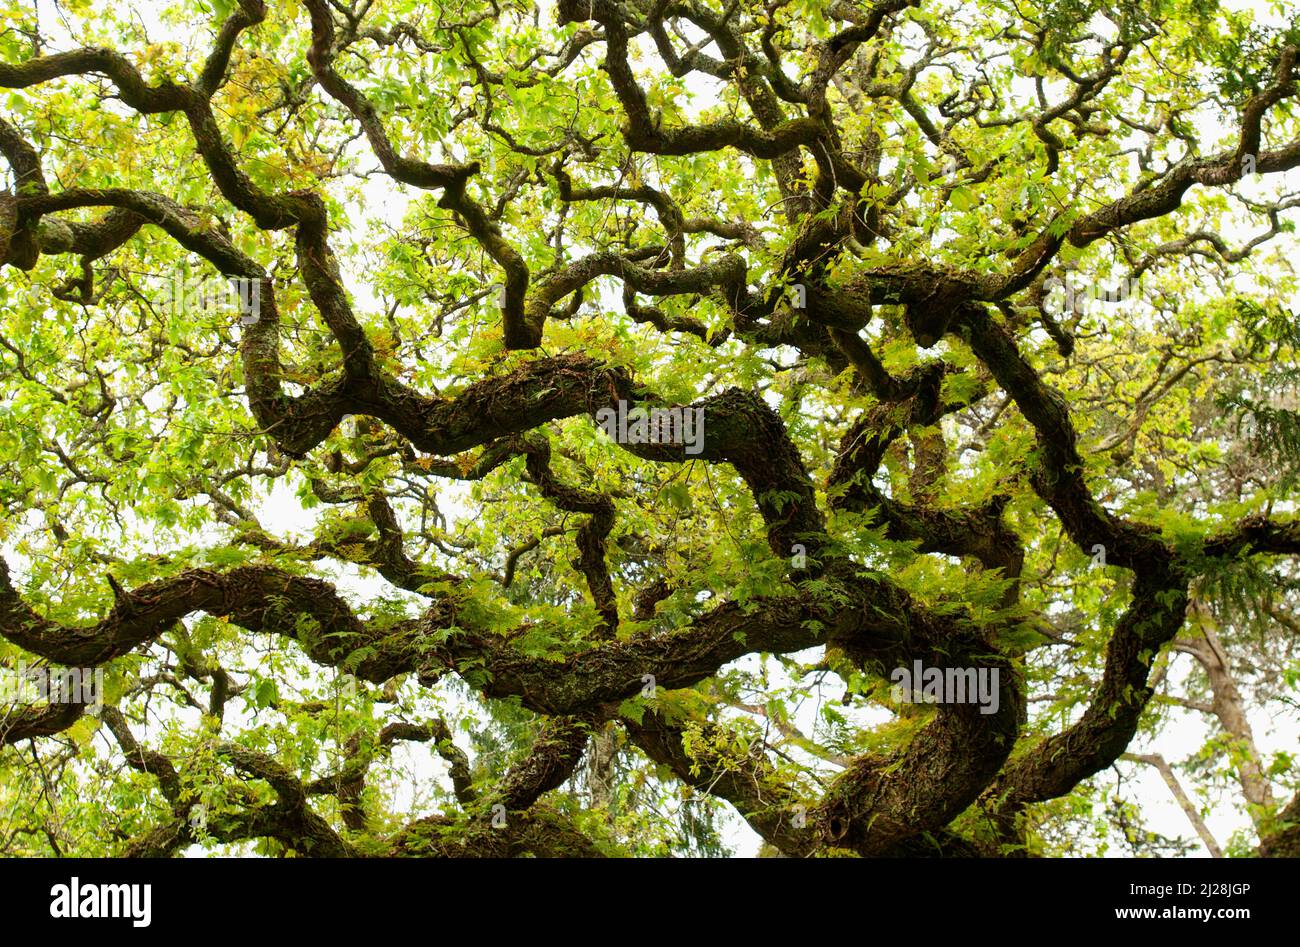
[{"x": 984, "y": 306}]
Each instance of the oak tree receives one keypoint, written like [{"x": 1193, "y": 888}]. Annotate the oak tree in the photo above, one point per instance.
[{"x": 312, "y": 313}]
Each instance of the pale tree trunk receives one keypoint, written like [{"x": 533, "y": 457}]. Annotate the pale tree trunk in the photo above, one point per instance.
[
  {"x": 600, "y": 768},
  {"x": 1230, "y": 710},
  {"x": 1189, "y": 808}
]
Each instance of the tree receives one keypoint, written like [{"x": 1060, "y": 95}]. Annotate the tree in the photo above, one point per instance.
[{"x": 559, "y": 429}]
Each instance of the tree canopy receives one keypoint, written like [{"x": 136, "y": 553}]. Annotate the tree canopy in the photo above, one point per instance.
[{"x": 488, "y": 427}]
